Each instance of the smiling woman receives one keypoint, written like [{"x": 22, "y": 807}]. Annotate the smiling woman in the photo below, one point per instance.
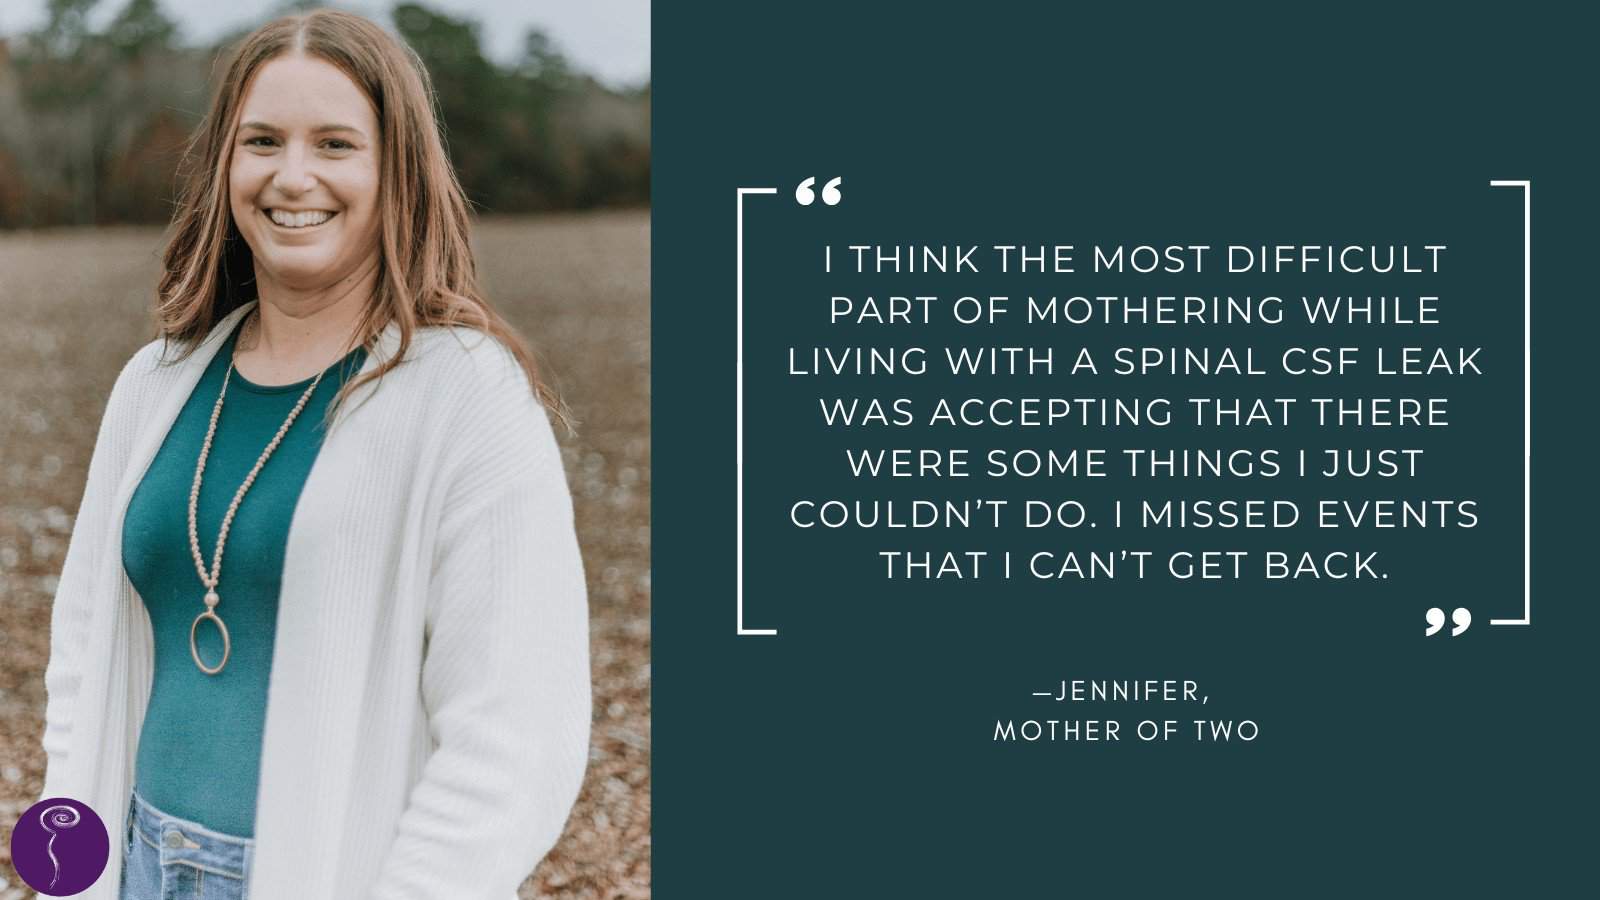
[
  {"x": 305, "y": 647},
  {"x": 325, "y": 113},
  {"x": 303, "y": 190}
]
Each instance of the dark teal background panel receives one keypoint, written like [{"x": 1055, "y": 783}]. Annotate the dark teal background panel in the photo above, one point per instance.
[{"x": 850, "y": 755}]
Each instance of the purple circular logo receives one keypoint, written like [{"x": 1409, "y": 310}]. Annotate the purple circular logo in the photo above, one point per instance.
[{"x": 60, "y": 846}]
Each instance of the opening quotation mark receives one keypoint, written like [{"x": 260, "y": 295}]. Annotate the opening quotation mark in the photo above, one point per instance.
[
  {"x": 805, "y": 196},
  {"x": 1462, "y": 617}
]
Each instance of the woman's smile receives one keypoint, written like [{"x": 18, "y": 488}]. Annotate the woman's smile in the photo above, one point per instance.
[{"x": 299, "y": 220}]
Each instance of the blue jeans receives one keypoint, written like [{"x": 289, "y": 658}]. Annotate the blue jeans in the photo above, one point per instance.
[{"x": 165, "y": 858}]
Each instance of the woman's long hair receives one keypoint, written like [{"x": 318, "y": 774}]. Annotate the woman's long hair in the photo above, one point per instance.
[{"x": 427, "y": 274}]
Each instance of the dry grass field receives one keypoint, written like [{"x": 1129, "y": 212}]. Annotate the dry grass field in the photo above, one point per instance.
[{"x": 74, "y": 305}]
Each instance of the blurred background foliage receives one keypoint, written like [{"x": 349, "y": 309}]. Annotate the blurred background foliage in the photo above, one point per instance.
[{"x": 93, "y": 122}]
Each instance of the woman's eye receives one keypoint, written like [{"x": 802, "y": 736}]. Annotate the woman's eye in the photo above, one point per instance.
[
  {"x": 252, "y": 141},
  {"x": 338, "y": 144}
]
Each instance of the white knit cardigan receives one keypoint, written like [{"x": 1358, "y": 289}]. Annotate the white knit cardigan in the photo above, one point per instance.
[{"x": 427, "y": 717}]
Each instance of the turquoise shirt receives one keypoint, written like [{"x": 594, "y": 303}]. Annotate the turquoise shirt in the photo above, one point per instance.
[{"x": 200, "y": 748}]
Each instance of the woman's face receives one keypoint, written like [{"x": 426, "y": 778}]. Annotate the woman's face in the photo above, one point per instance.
[{"x": 303, "y": 182}]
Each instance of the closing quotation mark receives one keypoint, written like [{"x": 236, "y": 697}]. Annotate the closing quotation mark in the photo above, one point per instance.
[
  {"x": 804, "y": 196},
  {"x": 1462, "y": 617}
]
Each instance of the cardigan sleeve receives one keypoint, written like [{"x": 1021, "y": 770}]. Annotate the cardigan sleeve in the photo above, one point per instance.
[
  {"x": 505, "y": 673},
  {"x": 73, "y": 605}
]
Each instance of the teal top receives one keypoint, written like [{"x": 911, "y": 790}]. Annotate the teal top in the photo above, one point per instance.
[{"x": 200, "y": 747}]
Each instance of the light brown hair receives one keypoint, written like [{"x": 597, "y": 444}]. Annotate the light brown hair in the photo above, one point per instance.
[{"x": 427, "y": 274}]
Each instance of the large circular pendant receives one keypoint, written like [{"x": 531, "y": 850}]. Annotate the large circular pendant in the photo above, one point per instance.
[{"x": 194, "y": 649}]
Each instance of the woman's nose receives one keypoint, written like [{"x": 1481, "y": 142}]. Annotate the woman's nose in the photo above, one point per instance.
[{"x": 293, "y": 176}]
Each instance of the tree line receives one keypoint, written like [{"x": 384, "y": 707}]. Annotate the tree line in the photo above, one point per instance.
[{"x": 93, "y": 122}]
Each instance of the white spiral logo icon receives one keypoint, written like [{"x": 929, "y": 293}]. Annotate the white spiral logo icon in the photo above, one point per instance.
[{"x": 58, "y": 816}]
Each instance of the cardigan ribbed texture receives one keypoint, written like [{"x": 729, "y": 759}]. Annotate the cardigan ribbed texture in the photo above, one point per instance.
[{"x": 428, "y": 707}]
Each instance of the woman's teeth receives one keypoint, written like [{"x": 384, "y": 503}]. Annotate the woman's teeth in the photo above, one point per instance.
[{"x": 299, "y": 219}]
